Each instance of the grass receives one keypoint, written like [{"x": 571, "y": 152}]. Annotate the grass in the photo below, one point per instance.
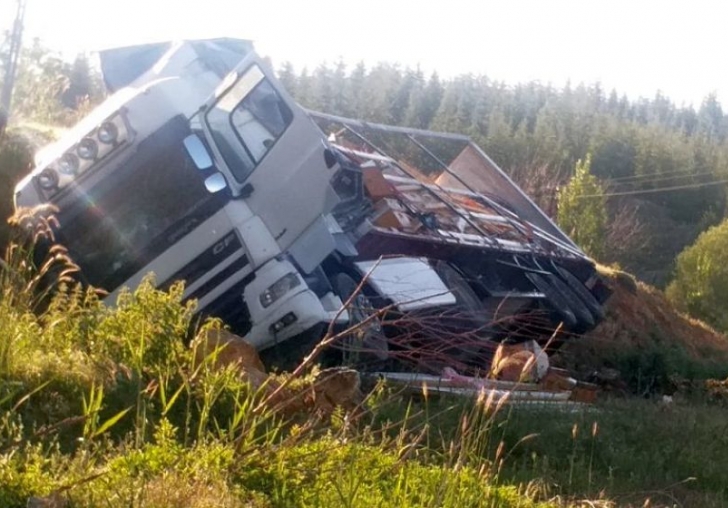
[
  {"x": 619, "y": 451},
  {"x": 653, "y": 347},
  {"x": 626, "y": 450},
  {"x": 107, "y": 407}
]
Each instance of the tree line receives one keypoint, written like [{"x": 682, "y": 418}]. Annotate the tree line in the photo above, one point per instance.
[{"x": 50, "y": 89}]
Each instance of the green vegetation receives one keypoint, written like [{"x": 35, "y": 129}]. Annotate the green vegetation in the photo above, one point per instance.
[
  {"x": 700, "y": 286},
  {"x": 108, "y": 407},
  {"x": 582, "y": 212},
  {"x": 15, "y": 158},
  {"x": 621, "y": 451},
  {"x": 50, "y": 90},
  {"x": 628, "y": 450}
]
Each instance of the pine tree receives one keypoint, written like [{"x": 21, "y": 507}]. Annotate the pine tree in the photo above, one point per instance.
[
  {"x": 710, "y": 117},
  {"x": 403, "y": 96},
  {"x": 424, "y": 104},
  {"x": 304, "y": 89},
  {"x": 354, "y": 92},
  {"x": 378, "y": 94},
  {"x": 582, "y": 210},
  {"x": 339, "y": 103},
  {"x": 287, "y": 77},
  {"x": 322, "y": 91},
  {"x": 82, "y": 86}
]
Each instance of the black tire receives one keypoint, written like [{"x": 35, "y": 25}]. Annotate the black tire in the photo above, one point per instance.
[
  {"x": 467, "y": 299},
  {"x": 459, "y": 286},
  {"x": 582, "y": 292},
  {"x": 366, "y": 344},
  {"x": 584, "y": 317},
  {"x": 467, "y": 323},
  {"x": 556, "y": 300}
]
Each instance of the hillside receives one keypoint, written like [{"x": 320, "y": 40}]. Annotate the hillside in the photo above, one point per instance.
[{"x": 643, "y": 337}]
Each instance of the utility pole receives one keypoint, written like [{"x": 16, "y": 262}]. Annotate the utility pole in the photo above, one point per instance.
[{"x": 11, "y": 62}]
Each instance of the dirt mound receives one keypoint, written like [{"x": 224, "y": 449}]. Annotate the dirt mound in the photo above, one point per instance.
[{"x": 646, "y": 339}]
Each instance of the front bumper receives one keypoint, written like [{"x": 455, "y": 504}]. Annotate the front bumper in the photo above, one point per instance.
[{"x": 293, "y": 314}]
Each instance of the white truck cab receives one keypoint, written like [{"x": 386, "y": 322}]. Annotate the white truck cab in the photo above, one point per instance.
[{"x": 133, "y": 196}]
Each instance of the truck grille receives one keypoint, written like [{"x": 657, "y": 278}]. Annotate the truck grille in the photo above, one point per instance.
[
  {"x": 209, "y": 259},
  {"x": 231, "y": 307},
  {"x": 220, "y": 277}
]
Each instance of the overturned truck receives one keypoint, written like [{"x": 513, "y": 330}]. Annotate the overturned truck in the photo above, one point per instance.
[{"x": 289, "y": 224}]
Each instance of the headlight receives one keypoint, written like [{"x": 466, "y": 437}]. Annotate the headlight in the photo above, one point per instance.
[
  {"x": 87, "y": 149},
  {"x": 88, "y": 152},
  {"x": 108, "y": 132},
  {"x": 280, "y": 288},
  {"x": 68, "y": 165},
  {"x": 48, "y": 179}
]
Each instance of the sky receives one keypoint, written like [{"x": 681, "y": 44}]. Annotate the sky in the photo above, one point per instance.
[{"x": 636, "y": 47}]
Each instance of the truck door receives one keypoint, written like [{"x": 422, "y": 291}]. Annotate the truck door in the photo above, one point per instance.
[{"x": 271, "y": 151}]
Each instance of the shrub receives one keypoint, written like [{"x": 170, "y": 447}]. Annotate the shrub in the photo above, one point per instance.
[
  {"x": 333, "y": 472},
  {"x": 15, "y": 157},
  {"x": 582, "y": 210},
  {"x": 700, "y": 286},
  {"x": 146, "y": 331}
]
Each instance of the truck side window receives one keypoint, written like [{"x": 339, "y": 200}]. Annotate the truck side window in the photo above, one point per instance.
[
  {"x": 247, "y": 121},
  {"x": 260, "y": 119}
]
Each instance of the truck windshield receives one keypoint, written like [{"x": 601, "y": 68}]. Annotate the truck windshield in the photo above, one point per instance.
[
  {"x": 124, "y": 222},
  {"x": 247, "y": 121}
]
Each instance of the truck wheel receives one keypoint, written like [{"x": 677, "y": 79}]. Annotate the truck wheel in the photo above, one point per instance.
[
  {"x": 365, "y": 343},
  {"x": 584, "y": 317},
  {"x": 557, "y": 301},
  {"x": 469, "y": 323},
  {"x": 582, "y": 292},
  {"x": 460, "y": 288}
]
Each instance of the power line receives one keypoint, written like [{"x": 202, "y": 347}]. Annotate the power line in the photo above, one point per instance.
[
  {"x": 660, "y": 178},
  {"x": 544, "y": 194},
  {"x": 655, "y": 191},
  {"x": 637, "y": 177},
  {"x": 678, "y": 173}
]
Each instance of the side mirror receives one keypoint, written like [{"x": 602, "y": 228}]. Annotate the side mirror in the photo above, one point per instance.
[
  {"x": 215, "y": 183},
  {"x": 197, "y": 151}
]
